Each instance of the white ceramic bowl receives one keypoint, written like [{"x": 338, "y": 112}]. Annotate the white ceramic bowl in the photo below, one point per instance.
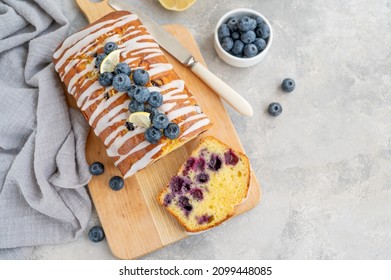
[{"x": 239, "y": 61}]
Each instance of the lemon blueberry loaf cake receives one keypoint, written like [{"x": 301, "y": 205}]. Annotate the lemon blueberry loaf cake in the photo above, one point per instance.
[
  {"x": 128, "y": 92},
  {"x": 208, "y": 186}
]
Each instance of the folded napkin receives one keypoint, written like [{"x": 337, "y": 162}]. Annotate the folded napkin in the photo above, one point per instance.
[{"x": 43, "y": 169}]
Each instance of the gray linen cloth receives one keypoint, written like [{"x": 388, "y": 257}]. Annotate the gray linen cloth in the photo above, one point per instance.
[{"x": 43, "y": 169}]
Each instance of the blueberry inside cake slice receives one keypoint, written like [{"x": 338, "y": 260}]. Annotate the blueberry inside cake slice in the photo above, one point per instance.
[{"x": 208, "y": 185}]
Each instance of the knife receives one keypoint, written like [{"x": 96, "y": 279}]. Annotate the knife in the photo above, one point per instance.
[{"x": 175, "y": 48}]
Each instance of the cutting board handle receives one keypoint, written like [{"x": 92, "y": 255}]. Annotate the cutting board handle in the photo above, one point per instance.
[{"x": 94, "y": 10}]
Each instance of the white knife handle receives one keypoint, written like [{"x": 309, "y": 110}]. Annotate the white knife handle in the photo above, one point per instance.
[{"x": 222, "y": 89}]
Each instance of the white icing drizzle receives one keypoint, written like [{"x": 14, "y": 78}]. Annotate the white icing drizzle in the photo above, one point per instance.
[
  {"x": 149, "y": 50},
  {"x": 139, "y": 147},
  {"x": 132, "y": 50},
  {"x": 192, "y": 118},
  {"x": 166, "y": 107},
  {"x": 104, "y": 104},
  {"x": 87, "y": 93},
  {"x": 180, "y": 112},
  {"x": 71, "y": 40},
  {"x": 158, "y": 68},
  {"x": 89, "y": 40},
  {"x": 153, "y": 55},
  {"x": 196, "y": 126},
  {"x": 144, "y": 161}
]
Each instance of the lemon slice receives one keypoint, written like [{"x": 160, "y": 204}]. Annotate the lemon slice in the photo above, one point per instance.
[
  {"x": 110, "y": 61},
  {"x": 140, "y": 119},
  {"x": 177, "y": 5}
]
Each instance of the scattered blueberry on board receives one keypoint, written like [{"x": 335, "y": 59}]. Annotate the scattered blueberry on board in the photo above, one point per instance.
[
  {"x": 244, "y": 36},
  {"x": 97, "y": 168},
  {"x": 288, "y": 85},
  {"x": 116, "y": 183},
  {"x": 274, "y": 109},
  {"x": 96, "y": 234}
]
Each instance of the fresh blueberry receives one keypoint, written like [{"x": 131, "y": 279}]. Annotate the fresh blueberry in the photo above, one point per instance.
[
  {"x": 106, "y": 79},
  {"x": 140, "y": 77},
  {"x": 116, "y": 183},
  {"x": 288, "y": 85},
  {"x": 152, "y": 135},
  {"x": 99, "y": 59},
  {"x": 235, "y": 35},
  {"x": 250, "y": 50},
  {"x": 253, "y": 23},
  {"x": 141, "y": 94},
  {"x": 260, "y": 44},
  {"x": 259, "y": 20},
  {"x": 132, "y": 90},
  {"x": 244, "y": 23},
  {"x": 160, "y": 121},
  {"x": 129, "y": 126},
  {"x": 97, "y": 168},
  {"x": 155, "y": 99},
  {"x": 184, "y": 203},
  {"x": 232, "y": 24},
  {"x": 96, "y": 234},
  {"x": 122, "y": 68},
  {"x": 109, "y": 47},
  {"x": 171, "y": 131},
  {"x": 151, "y": 110},
  {"x": 202, "y": 178},
  {"x": 263, "y": 31},
  {"x": 121, "y": 82},
  {"x": 135, "y": 106},
  {"x": 223, "y": 31},
  {"x": 274, "y": 109},
  {"x": 227, "y": 43},
  {"x": 214, "y": 162},
  {"x": 230, "y": 158},
  {"x": 197, "y": 194},
  {"x": 237, "y": 48},
  {"x": 248, "y": 37}
]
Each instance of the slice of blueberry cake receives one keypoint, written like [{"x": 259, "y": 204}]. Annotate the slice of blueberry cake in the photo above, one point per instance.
[{"x": 207, "y": 187}]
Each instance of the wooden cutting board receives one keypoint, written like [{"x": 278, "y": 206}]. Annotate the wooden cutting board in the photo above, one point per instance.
[{"x": 134, "y": 223}]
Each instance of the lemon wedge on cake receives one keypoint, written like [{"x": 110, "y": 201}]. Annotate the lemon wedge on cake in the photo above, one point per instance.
[
  {"x": 140, "y": 119},
  {"x": 110, "y": 61}
]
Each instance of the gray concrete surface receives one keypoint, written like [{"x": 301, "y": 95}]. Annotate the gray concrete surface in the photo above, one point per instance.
[{"x": 325, "y": 163}]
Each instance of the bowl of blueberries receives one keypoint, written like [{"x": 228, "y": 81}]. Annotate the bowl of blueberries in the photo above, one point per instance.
[{"x": 242, "y": 37}]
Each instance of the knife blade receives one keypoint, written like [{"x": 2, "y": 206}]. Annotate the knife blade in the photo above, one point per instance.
[{"x": 168, "y": 42}]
